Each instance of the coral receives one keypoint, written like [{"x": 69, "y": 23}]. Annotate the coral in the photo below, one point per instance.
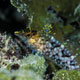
[
  {"x": 29, "y": 68},
  {"x": 8, "y": 49},
  {"x": 77, "y": 10},
  {"x": 67, "y": 75},
  {"x": 26, "y": 75},
  {"x": 19, "y": 75},
  {"x": 33, "y": 62},
  {"x": 4, "y": 74}
]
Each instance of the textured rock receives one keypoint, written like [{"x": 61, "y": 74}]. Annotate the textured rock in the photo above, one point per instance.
[{"x": 67, "y": 75}]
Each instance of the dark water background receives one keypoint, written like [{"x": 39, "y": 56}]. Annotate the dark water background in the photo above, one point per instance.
[{"x": 10, "y": 19}]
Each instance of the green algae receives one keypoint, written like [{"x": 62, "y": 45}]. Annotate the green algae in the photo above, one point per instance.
[
  {"x": 66, "y": 8},
  {"x": 67, "y": 75},
  {"x": 31, "y": 68},
  {"x": 19, "y": 75},
  {"x": 35, "y": 63},
  {"x": 38, "y": 15},
  {"x": 26, "y": 75},
  {"x": 32, "y": 62},
  {"x": 38, "y": 10},
  {"x": 5, "y": 74}
]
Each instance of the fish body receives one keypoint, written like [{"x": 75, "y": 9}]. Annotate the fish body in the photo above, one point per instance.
[
  {"x": 55, "y": 51},
  {"x": 44, "y": 45}
]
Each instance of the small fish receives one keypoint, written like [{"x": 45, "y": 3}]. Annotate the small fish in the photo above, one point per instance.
[
  {"x": 38, "y": 44},
  {"x": 52, "y": 49}
]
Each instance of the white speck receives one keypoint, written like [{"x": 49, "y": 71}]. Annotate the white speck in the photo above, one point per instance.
[
  {"x": 72, "y": 57},
  {"x": 52, "y": 38},
  {"x": 62, "y": 46}
]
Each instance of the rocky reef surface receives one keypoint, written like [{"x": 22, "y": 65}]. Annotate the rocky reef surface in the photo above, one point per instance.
[{"x": 48, "y": 48}]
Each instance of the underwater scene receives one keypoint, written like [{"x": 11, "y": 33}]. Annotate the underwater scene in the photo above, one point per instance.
[{"x": 39, "y": 39}]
